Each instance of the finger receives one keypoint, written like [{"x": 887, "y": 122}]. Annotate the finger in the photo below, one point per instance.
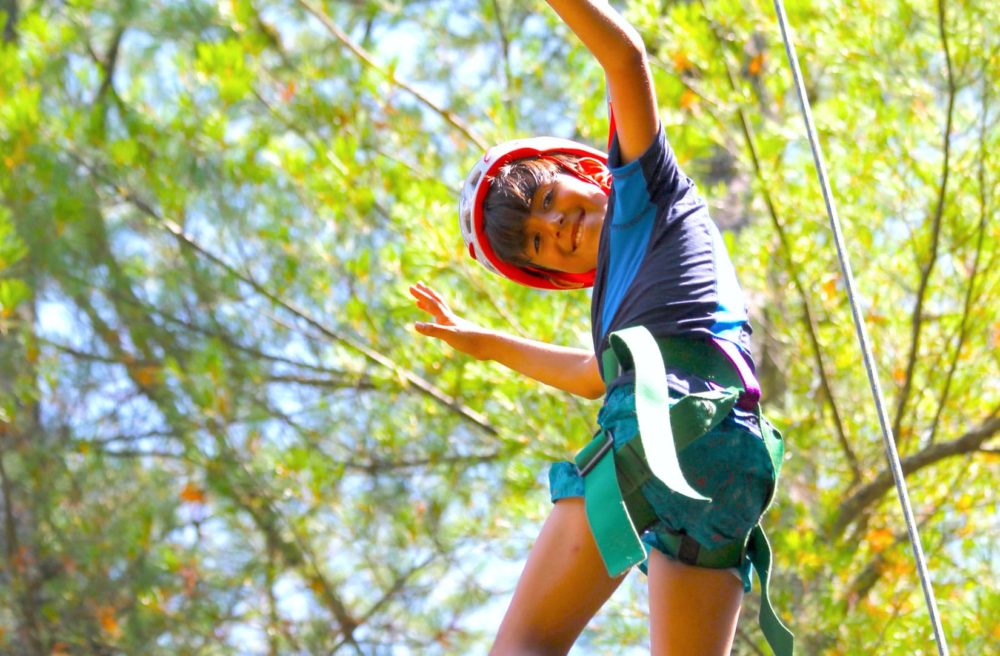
[
  {"x": 431, "y": 329},
  {"x": 431, "y": 304},
  {"x": 423, "y": 302},
  {"x": 423, "y": 287},
  {"x": 431, "y": 309},
  {"x": 434, "y": 295},
  {"x": 417, "y": 292},
  {"x": 420, "y": 292}
]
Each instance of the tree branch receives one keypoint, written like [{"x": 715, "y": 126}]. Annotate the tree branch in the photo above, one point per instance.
[
  {"x": 373, "y": 356},
  {"x": 916, "y": 321},
  {"x": 405, "y": 375},
  {"x": 973, "y": 275},
  {"x": 109, "y": 63},
  {"x": 871, "y": 492},
  {"x": 30, "y": 627},
  {"x": 9, "y": 7}
]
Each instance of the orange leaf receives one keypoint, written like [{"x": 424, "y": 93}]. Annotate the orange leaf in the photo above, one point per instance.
[
  {"x": 146, "y": 376},
  {"x": 689, "y": 99},
  {"x": 106, "y": 618},
  {"x": 880, "y": 539},
  {"x": 193, "y": 494},
  {"x": 829, "y": 287},
  {"x": 681, "y": 62}
]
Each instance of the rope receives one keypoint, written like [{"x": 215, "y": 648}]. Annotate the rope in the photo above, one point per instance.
[{"x": 845, "y": 265}]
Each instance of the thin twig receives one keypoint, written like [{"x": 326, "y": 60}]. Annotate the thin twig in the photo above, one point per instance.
[{"x": 450, "y": 117}]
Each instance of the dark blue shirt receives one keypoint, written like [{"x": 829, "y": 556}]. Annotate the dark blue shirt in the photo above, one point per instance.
[{"x": 661, "y": 261}]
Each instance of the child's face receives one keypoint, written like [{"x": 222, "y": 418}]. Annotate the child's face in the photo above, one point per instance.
[{"x": 563, "y": 230}]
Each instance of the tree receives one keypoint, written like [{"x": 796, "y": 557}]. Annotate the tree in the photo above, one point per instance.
[{"x": 218, "y": 434}]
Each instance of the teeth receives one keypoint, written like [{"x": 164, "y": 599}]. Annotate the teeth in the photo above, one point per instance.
[{"x": 578, "y": 236}]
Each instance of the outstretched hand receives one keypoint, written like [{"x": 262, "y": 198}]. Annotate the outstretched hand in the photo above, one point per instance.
[{"x": 447, "y": 326}]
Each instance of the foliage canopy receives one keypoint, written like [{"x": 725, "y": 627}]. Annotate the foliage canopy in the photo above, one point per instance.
[{"x": 218, "y": 433}]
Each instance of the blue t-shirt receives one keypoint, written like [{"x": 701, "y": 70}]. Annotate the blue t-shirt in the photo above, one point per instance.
[{"x": 661, "y": 261}]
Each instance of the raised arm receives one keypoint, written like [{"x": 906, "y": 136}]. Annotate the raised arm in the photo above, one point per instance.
[
  {"x": 572, "y": 370},
  {"x": 621, "y": 53}
]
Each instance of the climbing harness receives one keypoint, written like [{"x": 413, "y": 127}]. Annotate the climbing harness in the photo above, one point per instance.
[
  {"x": 615, "y": 506},
  {"x": 471, "y": 218},
  {"x": 890, "y": 443}
]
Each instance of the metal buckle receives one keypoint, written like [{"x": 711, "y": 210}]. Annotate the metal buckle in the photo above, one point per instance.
[{"x": 603, "y": 451}]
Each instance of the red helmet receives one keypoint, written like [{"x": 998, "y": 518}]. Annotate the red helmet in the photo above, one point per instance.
[{"x": 472, "y": 221}]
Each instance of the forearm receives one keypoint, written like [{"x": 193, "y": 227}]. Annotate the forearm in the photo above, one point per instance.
[
  {"x": 605, "y": 33},
  {"x": 620, "y": 51},
  {"x": 573, "y": 370}
]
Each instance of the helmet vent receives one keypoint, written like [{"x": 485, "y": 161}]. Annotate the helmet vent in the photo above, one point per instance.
[{"x": 474, "y": 180}]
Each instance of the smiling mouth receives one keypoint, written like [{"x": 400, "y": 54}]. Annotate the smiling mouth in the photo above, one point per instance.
[{"x": 578, "y": 232}]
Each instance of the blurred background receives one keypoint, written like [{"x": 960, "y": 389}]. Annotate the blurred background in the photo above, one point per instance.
[{"x": 219, "y": 433}]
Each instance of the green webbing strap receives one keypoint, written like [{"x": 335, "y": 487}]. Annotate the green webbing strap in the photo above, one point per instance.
[
  {"x": 731, "y": 555},
  {"x": 652, "y": 403},
  {"x": 613, "y": 531},
  {"x": 777, "y": 634}
]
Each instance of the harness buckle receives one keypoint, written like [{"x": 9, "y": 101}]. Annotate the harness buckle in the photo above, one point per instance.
[{"x": 609, "y": 443}]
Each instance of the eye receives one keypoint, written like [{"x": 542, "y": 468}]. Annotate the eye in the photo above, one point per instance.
[
  {"x": 537, "y": 243},
  {"x": 547, "y": 198}
]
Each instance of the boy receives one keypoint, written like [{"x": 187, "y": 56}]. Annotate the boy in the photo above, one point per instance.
[{"x": 667, "y": 312}]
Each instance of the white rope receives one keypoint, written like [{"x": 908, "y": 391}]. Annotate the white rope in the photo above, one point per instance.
[{"x": 845, "y": 265}]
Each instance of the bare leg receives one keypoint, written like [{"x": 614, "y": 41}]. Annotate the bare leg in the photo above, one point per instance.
[
  {"x": 692, "y": 610},
  {"x": 563, "y": 585}
]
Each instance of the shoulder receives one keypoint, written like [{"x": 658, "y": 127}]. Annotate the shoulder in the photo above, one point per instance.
[{"x": 655, "y": 171}]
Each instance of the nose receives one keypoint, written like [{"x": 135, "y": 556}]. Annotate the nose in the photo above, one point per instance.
[
  {"x": 551, "y": 225},
  {"x": 553, "y": 222}
]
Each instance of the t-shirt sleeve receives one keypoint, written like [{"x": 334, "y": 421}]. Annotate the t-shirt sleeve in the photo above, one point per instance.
[{"x": 652, "y": 179}]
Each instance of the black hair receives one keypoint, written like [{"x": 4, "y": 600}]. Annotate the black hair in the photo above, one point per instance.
[{"x": 508, "y": 202}]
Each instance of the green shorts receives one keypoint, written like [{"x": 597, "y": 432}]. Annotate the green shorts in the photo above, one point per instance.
[{"x": 730, "y": 464}]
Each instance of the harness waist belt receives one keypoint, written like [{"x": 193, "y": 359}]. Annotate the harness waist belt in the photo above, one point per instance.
[{"x": 715, "y": 360}]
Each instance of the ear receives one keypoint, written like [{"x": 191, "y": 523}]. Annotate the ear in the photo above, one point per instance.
[{"x": 594, "y": 170}]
